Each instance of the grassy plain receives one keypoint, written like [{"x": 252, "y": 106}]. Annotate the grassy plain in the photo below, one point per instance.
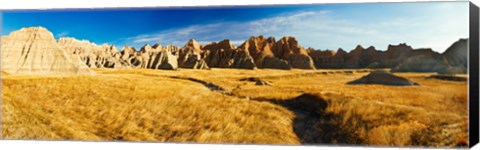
[{"x": 162, "y": 106}]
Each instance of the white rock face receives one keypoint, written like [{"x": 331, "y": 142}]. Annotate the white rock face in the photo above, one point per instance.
[
  {"x": 107, "y": 56},
  {"x": 93, "y": 55},
  {"x": 34, "y": 51}
]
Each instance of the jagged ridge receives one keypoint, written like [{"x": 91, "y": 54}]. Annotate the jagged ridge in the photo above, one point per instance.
[{"x": 256, "y": 52}]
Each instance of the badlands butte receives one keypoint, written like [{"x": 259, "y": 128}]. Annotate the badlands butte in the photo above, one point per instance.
[
  {"x": 264, "y": 91},
  {"x": 35, "y": 51}
]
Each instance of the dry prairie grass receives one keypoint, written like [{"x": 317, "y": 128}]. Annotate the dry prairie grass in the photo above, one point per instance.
[
  {"x": 132, "y": 107},
  {"x": 149, "y": 105}
]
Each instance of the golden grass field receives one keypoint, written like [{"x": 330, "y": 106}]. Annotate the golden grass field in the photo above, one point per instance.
[{"x": 162, "y": 106}]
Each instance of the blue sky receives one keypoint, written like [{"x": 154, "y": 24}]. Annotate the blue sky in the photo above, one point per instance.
[{"x": 322, "y": 26}]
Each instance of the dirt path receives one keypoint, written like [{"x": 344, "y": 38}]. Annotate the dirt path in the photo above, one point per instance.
[{"x": 211, "y": 86}]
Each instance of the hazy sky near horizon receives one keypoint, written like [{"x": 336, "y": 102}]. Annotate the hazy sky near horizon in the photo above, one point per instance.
[{"x": 433, "y": 25}]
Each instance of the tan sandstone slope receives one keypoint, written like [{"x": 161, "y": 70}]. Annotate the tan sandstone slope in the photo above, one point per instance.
[{"x": 34, "y": 51}]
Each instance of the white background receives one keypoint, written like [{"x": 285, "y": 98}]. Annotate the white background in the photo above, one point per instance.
[{"x": 49, "y": 4}]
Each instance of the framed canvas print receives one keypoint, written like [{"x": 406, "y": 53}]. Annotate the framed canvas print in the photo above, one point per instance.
[{"x": 383, "y": 74}]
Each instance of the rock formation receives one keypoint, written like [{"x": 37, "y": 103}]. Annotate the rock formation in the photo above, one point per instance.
[
  {"x": 357, "y": 58},
  {"x": 225, "y": 55},
  {"x": 93, "y": 55},
  {"x": 259, "y": 49},
  {"x": 157, "y": 57},
  {"x": 107, "y": 56},
  {"x": 401, "y": 58},
  {"x": 452, "y": 61},
  {"x": 385, "y": 78},
  {"x": 190, "y": 56},
  {"x": 256, "y": 52},
  {"x": 422, "y": 63},
  {"x": 128, "y": 57},
  {"x": 457, "y": 57},
  {"x": 146, "y": 53},
  {"x": 354, "y": 59},
  {"x": 329, "y": 58},
  {"x": 34, "y": 51},
  {"x": 287, "y": 48},
  {"x": 456, "y": 54}
]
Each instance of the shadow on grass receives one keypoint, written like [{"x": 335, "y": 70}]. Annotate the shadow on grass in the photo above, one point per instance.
[{"x": 313, "y": 125}]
